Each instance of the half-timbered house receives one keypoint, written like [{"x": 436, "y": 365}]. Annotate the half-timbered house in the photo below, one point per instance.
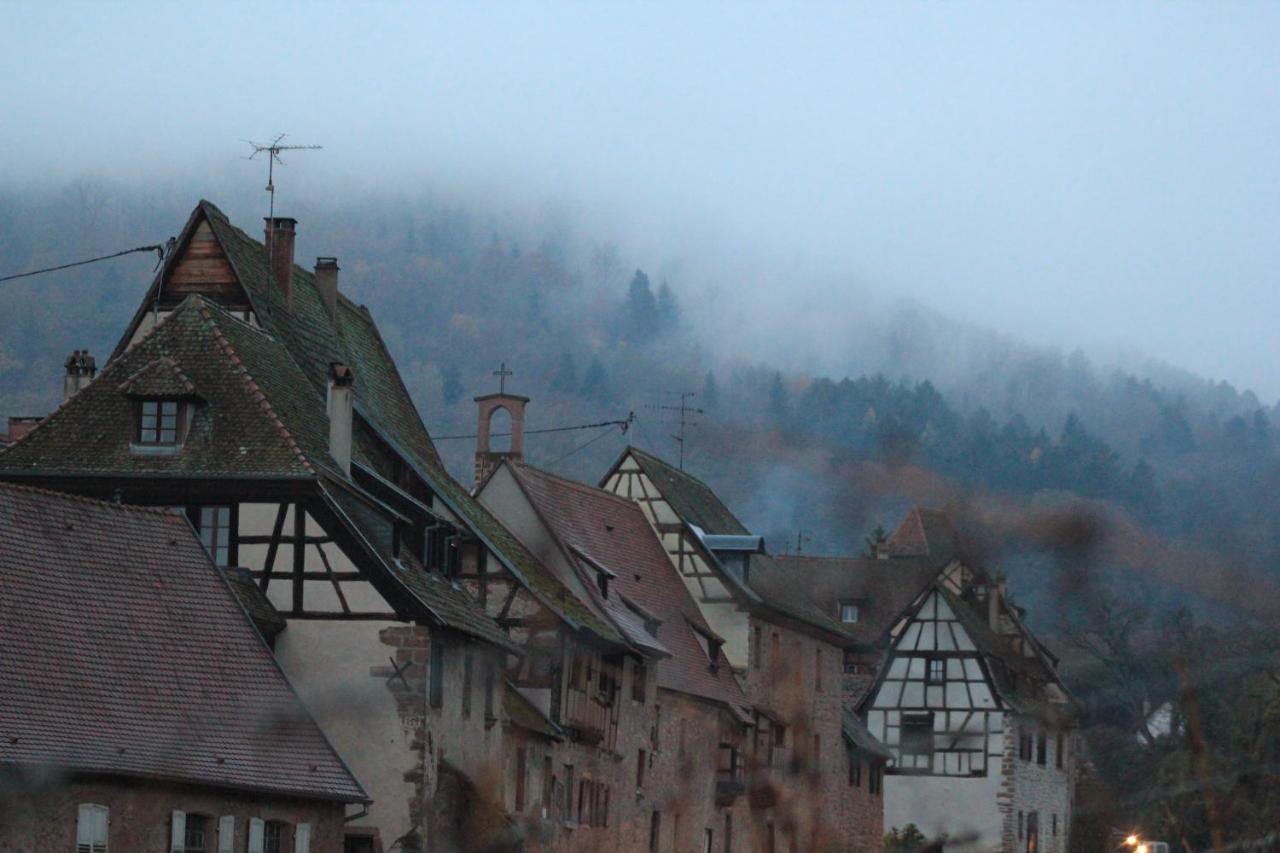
[
  {"x": 813, "y": 778},
  {"x": 139, "y": 708}
]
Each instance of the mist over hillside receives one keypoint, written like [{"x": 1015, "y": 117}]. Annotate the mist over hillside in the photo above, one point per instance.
[{"x": 817, "y": 423}]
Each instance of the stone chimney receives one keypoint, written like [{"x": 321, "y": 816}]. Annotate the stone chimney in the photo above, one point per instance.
[
  {"x": 19, "y": 426},
  {"x": 80, "y": 370},
  {"x": 487, "y": 458},
  {"x": 279, "y": 242},
  {"x": 327, "y": 284},
  {"x": 341, "y": 379}
]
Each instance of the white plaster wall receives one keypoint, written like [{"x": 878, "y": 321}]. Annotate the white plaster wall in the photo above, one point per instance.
[
  {"x": 329, "y": 664},
  {"x": 964, "y": 809}
]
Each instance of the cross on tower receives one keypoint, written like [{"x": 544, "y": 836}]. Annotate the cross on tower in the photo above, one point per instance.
[{"x": 502, "y": 373}]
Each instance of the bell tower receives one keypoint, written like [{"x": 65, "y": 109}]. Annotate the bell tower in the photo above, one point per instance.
[{"x": 488, "y": 405}]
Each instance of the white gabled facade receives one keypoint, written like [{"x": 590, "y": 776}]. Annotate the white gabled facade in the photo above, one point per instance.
[{"x": 982, "y": 746}]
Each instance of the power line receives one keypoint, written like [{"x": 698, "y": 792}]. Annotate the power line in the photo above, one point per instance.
[
  {"x": 625, "y": 424},
  {"x": 159, "y": 250},
  {"x": 582, "y": 446}
]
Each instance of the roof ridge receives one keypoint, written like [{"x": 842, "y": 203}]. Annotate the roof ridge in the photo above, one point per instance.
[
  {"x": 98, "y": 502},
  {"x": 585, "y": 487},
  {"x": 665, "y": 464},
  {"x": 255, "y": 391}
]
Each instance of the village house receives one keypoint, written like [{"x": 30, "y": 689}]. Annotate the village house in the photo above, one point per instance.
[
  {"x": 672, "y": 762},
  {"x": 139, "y": 707},
  {"x": 947, "y": 676},
  {"x": 813, "y": 771}
]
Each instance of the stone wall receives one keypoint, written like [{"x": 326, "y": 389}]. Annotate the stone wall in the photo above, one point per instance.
[{"x": 1029, "y": 788}]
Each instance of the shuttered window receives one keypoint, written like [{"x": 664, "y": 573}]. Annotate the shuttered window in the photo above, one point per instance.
[
  {"x": 178, "y": 832},
  {"x": 226, "y": 834},
  {"x": 302, "y": 838},
  {"x": 257, "y": 832},
  {"x": 91, "y": 829}
]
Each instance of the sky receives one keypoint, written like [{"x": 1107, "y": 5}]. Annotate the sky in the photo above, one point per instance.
[{"x": 1094, "y": 174}]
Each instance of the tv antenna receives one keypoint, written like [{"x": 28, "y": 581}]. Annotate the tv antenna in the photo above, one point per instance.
[
  {"x": 273, "y": 156},
  {"x": 685, "y": 411}
]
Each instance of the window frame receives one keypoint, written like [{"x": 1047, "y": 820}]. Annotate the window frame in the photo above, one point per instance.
[
  {"x": 229, "y": 543},
  {"x": 935, "y": 671},
  {"x": 154, "y": 435},
  {"x": 87, "y": 815},
  {"x": 845, "y": 607},
  {"x": 921, "y": 724}
]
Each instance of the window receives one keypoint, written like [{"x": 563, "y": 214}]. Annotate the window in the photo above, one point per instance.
[
  {"x": 568, "y": 796},
  {"x": 1055, "y": 824},
  {"x": 1060, "y": 746},
  {"x": 876, "y": 783},
  {"x": 655, "y": 830},
  {"x": 1019, "y": 826},
  {"x": 436, "y": 686},
  {"x": 1033, "y": 832},
  {"x": 937, "y": 671},
  {"x": 272, "y": 832},
  {"x": 521, "y": 771},
  {"x": 817, "y": 670},
  {"x": 215, "y": 524},
  {"x": 640, "y": 770},
  {"x": 604, "y": 809},
  {"x": 466, "y": 683},
  {"x": 855, "y": 770},
  {"x": 257, "y": 831},
  {"x": 917, "y": 734},
  {"x": 188, "y": 832},
  {"x": 728, "y": 832},
  {"x": 779, "y": 741},
  {"x": 548, "y": 784},
  {"x": 848, "y": 612},
  {"x": 302, "y": 838},
  {"x": 1024, "y": 743},
  {"x": 158, "y": 422},
  {"x": 583, "y": 817},
  {"x": 1042, "y": 746},
  {"x": 710, "y": 841},
  {"x": 639, "y": 674},
  {"x": 775, "y": 650},
  {"x": 851, "y": 665},
  {"x": 91, "y": 829},
  {"x": 226, "y": 834}
]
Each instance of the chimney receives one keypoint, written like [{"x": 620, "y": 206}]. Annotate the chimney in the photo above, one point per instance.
[
  {"x": 327, "y": 284},
  {"x": 279, "y": 242},
  {"x": 19, "y": 426},
  {"x": 341, "y": 378},
  {"x": 80, "y": 370}
]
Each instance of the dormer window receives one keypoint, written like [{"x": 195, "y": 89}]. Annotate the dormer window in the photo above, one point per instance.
[
  {"x": 602, "y": 581},
  {"x": 159, "y": 423},
  {"x": 849, "y": 612}
]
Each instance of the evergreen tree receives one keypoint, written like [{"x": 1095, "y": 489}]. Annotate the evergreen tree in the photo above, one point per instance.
[
  {"x": 595, "y": 385},
  {"x": 451, "y": 388},
  {"x": 668, "y": 312},
  {"x": 641, "y": 315},
  {"x": 710, "y": 392}
]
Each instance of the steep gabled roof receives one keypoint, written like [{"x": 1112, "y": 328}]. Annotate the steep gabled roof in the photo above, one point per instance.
[
  {"x": 925, "y": 533},
  {"x": 127, "y": 653},
  {"x": 615, "y": 534},
  {"x": 882, "y": 589},
  {"x": 781, "y": 589},
  {"x": 692, "y": 499}
]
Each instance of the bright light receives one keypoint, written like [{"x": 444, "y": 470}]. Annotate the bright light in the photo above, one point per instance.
[
  {"x": 1143, "y": 848},
  {"x": 1132, "y": 841}
]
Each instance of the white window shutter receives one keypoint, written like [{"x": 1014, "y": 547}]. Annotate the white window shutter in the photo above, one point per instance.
[
  {"x": 257, "y": 832},
  {"x": 226, "y": 834},
  {"x": 99, "y": 829},
  {"x": 84, "y": 828},
  {"x": 178, "y": 832},
  {"x": 302, "y": 838}
]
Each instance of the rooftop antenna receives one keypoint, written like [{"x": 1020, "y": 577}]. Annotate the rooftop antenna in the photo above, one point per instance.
[
  {"x": 801, "y": 538},
  {"x": 272, "y": 151},
  {"x": 685, "y": 411}
]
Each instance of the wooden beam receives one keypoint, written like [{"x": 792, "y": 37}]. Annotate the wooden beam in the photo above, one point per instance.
[{"x": 270, "y": 563}]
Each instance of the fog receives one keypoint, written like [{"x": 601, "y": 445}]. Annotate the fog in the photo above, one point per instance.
[{"x": 1089, "y": 175}]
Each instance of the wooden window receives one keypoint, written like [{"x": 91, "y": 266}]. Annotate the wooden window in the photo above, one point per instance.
[
  {"x": 521, "y": 772},
  {"x": 917, "y": 734},
  {"x": 1059, "y": 750},
  {"x": 817, "y": 670},
  {"x": 1019, "y": 826},
  {"x": 1042, "y": 747},
  {"x": 640, "y": 759},
  {"x": 848, "y": 612},
  {"x": 548, "y": 784},
  {"x": 1055, "y": 824},
  {"x": 188, "y": 832},
  {"x": 851, "y": 665},
  {"x": 257, "y": 833},
  {"x": 568, "y": 796},
  {"x": 467, "y": 663},
  {"x": 216, "y": 525},
  {"x": 91, "y": 828},
  {"x": 158, "y": 422},
  {"x": 709, "y": 836},
  {"x": 302, "y": 838},
  {"x": 1024, "y": 743},
  {"x": 273, "y": 837},
  {"x": 582, "y": 801},
  {"x": 855, "y": 770},
  {"x": 436, "y": 676},
  {"x": 226, "y": 834},
  {"x": 728, "y": 832},
  {"x": 779, "y": 741},
  {"x": 1033, "y": 832},
  {"x": 876, "y": 782},
  {"x": 655, "y": 830},
  {"x": 936, "y": 672}
]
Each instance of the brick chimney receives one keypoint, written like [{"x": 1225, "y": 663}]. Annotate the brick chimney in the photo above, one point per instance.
[
  {"x": 341, "y": 380},
  {"x": 279, "y": 242},
  {"x": 80, "y": 370},
  {"x": 327, "y": 284}
]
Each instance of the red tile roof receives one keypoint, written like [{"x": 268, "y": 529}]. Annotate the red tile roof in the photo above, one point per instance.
[
  {"x": 125, "y": 652},
  {"x": 613, "y": 532},
  {"x": 925, "y": 533}
]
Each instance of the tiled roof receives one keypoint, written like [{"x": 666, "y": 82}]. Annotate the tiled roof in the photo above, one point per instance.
[
  {"x": 882, "y": 589},
  {"x": 381, "y": 400},
  {"x": 860, "y": 737},
  {"x": 520, "y": 711},
  {"x": 127, "y": 653},
  {"x": 692, "y": 499},
  {"x": 925, "y": 533},
  {"x": 780, "y": 589},
  {"x": 265, "y": 617},
  {"x": 613, "y": 532}
]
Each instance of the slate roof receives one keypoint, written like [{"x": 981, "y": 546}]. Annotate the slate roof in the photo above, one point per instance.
[
  {"x": 127, "y": 653},
  {"x": 883, "y": 589},
  {"x": 613, "y": 532},
  {"x": 692, "y": 499}
]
